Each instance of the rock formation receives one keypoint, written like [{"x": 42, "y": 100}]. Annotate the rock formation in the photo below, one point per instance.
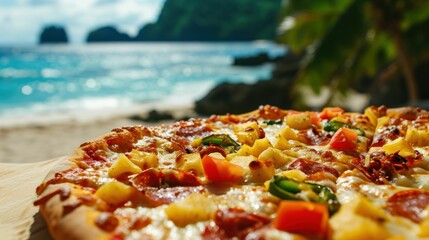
[
  {"x": 107, "y": 34},
  {"x": 53, "y": 34}
]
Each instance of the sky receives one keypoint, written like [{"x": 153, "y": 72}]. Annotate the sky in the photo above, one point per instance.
[{"x": 21, "y": 21}]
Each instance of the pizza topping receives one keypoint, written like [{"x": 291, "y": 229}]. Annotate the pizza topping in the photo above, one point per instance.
[
  {"x": 417, "y": 137},
  {"x": 306, "y": 218},
  {"x": 273, "y": 122},
  {"x": 335, "y": 125},
  {"x": 94, "y": 153},
  {"x": 408, "y": 203},
  {"x": 381, "y": 168},
  {"x": 213, "y": 149},
  {"x": 299, "y": 121},
  {"x": 221, "y": 143},
  {"x": 143, "y": 160},
  {"x": 399, "y": 146},
  {"x": 388, "y": 133},
  {"x": 107, "y": 221},
  {"x": 191, "y": 163},
  {"x": 247, "y": 133},
  {"x": 115, "y": 192},
  {"x": 289, "y": 189},
  {"x": 270, "y": 112},
  {"x": 123, "y": 166},
  {"x": 194, "y": 208},
  {"x": 160, "y": 177},
  {"x": 331, "y": 112},
  {"x": 234, "y": 223},
  {"x": 160, "y": 196},
  {"x": 120, "y": 141},
  {"x": 311, "y": 167},
  {"x": 315, "y": 137},
  {"x": 222, "y": 140},
  {"x": 193, "y": 127},
  {"x": 344, "y": 139},
  {"x": 218, "y": 169}
]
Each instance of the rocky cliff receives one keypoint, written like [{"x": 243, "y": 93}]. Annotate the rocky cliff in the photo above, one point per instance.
[
  {"x": 107, "y": 34},
  {"x": 208, "y": 20},
  {"x": 213, "y": 20},
  {"x": 53, "y": 34}
]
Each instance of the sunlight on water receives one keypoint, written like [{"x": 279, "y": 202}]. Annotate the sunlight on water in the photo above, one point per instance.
[{"x": 55, "y": 79}]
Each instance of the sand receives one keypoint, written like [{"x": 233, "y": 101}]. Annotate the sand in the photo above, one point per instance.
[{"x": 40, "y": 139}]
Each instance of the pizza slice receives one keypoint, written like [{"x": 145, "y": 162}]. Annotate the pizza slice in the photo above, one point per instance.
[
  {"x": 390, "y": 178},
  {"x": 267, "y": 174}
]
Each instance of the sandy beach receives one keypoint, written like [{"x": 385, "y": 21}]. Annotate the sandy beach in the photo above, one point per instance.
[{"x": 38, "y": 140}]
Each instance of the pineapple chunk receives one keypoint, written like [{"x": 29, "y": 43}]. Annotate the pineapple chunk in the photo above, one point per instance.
[
  {"x": 400, "y": 146},
  {"x": 381, "y": 122},
  {"x": 372, "y": 115},
  {"x": 197, "y": 142},
  {"x": 295, "y": 174},
  {"x": 194, "y": 208},
  {"x": 260, "y": 145},
  {"x": 123, "y": 165},
  {"x": 359, "y": 219},
  {"x": 260, "y": 171},
  {"x": 254, "y": 170},
  {"x": 191, "y": 163},
  {"x": 247, "y": 133},
  {"x": 115, "y": 192},
  {"x": 299, "y": 121},
  {"x": 276, "y": 156},
  {"x": 281, "y": 143},
  {"x": 243, "y": 161},
  {"x": 245, "y": 150},
  {"x": 144, "y": 160},
  {"x": 416, "y": 137},
  {"x": 289, "y": 134}
]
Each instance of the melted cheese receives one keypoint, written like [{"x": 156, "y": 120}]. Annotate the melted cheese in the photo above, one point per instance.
[
  {"x": 255, "y": 199},
  {"x": 251, "y": 199}
]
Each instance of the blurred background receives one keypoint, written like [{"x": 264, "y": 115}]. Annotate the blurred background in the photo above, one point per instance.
[{"x": 65, "y": 60}]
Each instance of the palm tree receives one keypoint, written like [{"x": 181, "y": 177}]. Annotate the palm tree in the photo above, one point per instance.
[{"x": 346, "y": 41}]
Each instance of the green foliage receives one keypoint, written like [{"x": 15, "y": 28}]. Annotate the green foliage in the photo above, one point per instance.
[
  {"x": 214, "y": 20},
  {"x": 346, "y": 41}
]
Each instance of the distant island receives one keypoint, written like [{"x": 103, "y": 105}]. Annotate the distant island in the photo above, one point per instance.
[
  {"x": 184, "y": 20},
  {"x": 53, "y": 34},
  {"x": 107, "y": 34}
]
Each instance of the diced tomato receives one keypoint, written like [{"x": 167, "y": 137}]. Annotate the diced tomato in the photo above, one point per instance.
[
  {"x": 331, "y": 112},
  {"x": 306, "y": 218},
  {"x": 221, "y": 170},
  {"x": 315, "y": 119},
  {"x": 344, "y": 139}
]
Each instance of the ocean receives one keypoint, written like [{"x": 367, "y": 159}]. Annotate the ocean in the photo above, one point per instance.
[{"x": 58, "y": 79}]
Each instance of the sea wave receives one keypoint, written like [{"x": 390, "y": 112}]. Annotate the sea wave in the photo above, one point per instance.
[{"x": 42, "y": 81}]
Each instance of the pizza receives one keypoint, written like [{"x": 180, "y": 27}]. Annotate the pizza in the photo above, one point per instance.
[{"x": 267, "y": 174}]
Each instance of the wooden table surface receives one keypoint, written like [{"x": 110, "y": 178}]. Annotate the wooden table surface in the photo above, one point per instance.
[{"x": 19, "y": 219}]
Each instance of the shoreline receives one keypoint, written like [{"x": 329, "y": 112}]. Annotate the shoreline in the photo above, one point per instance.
[
  {"x": 178, "y": 109},
  {"x": 41, "y": 138}
]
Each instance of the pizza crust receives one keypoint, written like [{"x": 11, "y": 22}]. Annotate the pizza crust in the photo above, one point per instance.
[
  {"x": 63, "y": 225},
  {"x": 64, "y": 164}
]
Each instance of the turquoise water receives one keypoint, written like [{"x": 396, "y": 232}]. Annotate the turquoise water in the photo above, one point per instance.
[{"x": 55, "y": 79}]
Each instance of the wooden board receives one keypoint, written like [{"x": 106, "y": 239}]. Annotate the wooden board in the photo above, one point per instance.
[{"x": 19, "y": 219}]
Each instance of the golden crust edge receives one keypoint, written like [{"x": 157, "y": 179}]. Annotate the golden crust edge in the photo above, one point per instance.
[{"x": 64, "y": 227}]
